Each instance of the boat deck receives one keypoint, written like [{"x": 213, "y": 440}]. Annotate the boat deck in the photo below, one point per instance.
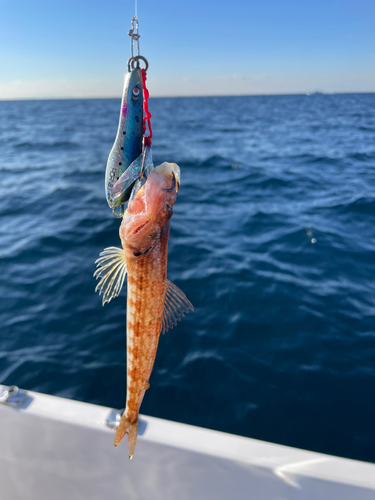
[{"x": 55, "y": 448}]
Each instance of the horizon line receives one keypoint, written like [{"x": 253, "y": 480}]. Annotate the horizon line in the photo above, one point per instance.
[{"x": 71, "y": 98}]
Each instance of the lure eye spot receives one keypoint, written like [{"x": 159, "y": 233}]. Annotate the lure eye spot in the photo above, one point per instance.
[{"x": 136, "y": 92}]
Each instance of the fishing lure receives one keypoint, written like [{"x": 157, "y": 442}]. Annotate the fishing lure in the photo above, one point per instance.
[{"x": 130, "y": 158}]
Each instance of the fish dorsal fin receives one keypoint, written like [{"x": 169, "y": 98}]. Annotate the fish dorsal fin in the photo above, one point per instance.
[
  {"x": 111, "y": 271},
  {"x": 176, "y": 305}
]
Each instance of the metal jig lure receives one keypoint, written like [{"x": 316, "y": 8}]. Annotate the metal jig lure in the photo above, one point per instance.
[{"x": 128, "y": 161}]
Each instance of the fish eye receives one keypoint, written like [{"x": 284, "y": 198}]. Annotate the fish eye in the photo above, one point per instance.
[{"x": 136, "y": 92}]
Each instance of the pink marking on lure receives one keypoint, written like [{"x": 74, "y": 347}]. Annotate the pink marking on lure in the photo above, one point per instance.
[{"x": 124, "y": 109}]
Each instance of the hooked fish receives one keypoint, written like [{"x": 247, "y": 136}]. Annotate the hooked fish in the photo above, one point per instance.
[
  {"x": 128, "y": 143},
  {"x": 154, "y": 304}
]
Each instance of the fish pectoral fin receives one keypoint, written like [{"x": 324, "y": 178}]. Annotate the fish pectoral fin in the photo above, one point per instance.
[
  {"x": 176, "y": 305},
  {"x": 111, "y": 271}
]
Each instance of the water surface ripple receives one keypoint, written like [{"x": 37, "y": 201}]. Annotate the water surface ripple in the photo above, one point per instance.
[{"x": 272, "y": 239}]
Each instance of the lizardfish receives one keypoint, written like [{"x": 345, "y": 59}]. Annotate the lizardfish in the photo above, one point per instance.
[
  {"x": 128, "y": 143},
  {"x": 154, "y": 304}
]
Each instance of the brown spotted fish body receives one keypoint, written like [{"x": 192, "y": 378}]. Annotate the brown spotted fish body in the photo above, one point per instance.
[{"x": 154, "y": 304}]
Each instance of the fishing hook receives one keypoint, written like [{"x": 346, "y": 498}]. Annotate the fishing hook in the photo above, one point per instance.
[
  {"x": 174, "y": 184},
  {"x": 121, "y": 214}
]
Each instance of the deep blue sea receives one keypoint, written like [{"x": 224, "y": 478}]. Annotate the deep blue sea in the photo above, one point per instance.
[{"x": 272, "y": 240}]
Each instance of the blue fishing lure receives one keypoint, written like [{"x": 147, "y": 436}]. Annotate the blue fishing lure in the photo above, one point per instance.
[
  {"x": 128, "y": 143},
  {"x": 130, "y": 159}
]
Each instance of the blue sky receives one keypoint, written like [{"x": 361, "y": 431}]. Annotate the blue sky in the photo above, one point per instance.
[{"x": 79, "y": 48}]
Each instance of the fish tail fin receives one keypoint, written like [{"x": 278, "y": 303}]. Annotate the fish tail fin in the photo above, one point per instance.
[{"x": 130, "y": 428}]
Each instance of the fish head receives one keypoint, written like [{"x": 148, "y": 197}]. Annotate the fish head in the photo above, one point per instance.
[{"x": 151, "y": 209}]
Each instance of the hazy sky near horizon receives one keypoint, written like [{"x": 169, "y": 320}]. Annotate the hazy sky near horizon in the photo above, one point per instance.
[{"x": 79, "y": 48}]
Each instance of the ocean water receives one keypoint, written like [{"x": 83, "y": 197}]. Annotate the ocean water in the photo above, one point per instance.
[{"x": 272, "y": 239}]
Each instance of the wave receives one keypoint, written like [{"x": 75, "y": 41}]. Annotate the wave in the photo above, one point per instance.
[
  {"x": 363, "y": 205},
  {"x": 47, "y": 146},
  {"x": 272, "y": 240}
]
